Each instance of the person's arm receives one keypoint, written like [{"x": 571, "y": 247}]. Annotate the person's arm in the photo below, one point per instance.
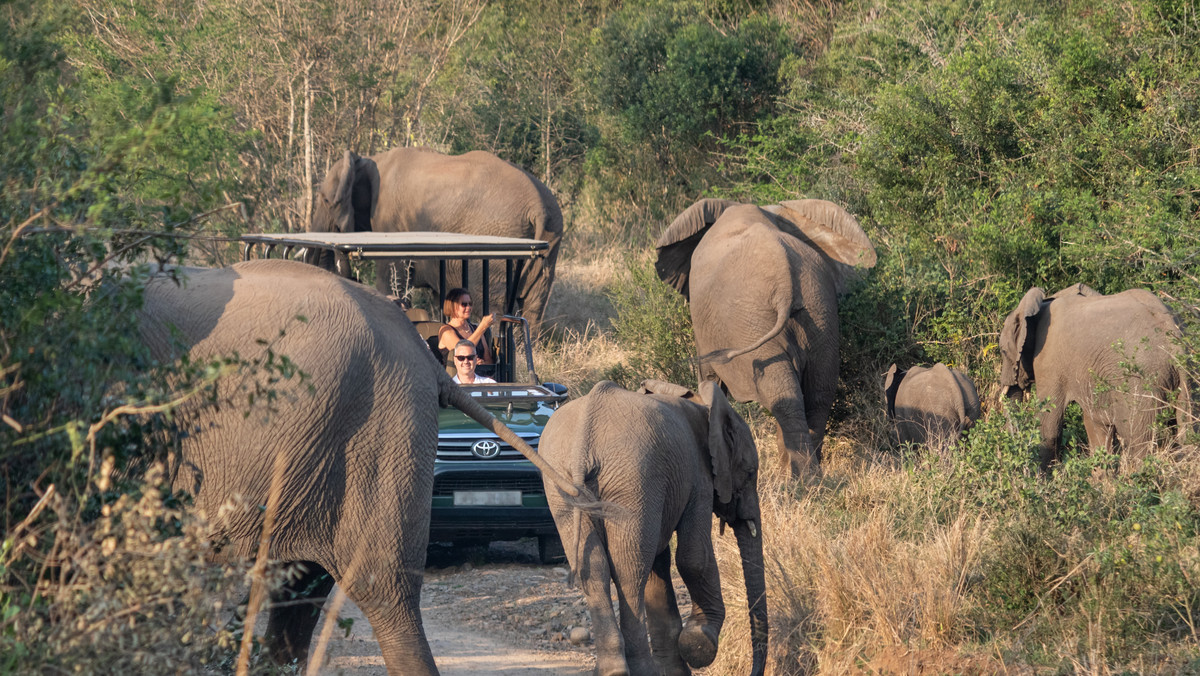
[
  {"x": 447, "y": 337},
  {"x": 477, "y": 337}
]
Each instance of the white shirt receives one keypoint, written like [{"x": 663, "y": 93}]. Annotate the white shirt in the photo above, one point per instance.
[{"x": 479, "y": 380}]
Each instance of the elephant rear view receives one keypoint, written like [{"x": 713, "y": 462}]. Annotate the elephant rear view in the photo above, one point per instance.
[
  {"x": 418, "y": 189},
  {"x": 763, "y": 287},
  {"x": 342, "y": 458},
  {"x": 664, "y": 461},
  {"x": 1116, "y": 356},
  {"x": 930, "y": 405}
]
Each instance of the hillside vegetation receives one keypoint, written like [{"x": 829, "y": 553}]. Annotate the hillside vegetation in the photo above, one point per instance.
[{"x": 985, "y": 146}]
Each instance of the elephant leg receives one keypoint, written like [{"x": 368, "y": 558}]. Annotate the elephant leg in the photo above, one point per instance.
[
  {"x": 397, "y": 625},
  {"x": 662, "y": 615},
  {"x": 1136, "y": 433},
  {"x": 631, "y": 570},
  {"x": 800, "y": 415},
  {"x": 385, "y": 583},
  {"x": 1052, "y": 422},
  {"x": 595, "y": 578},
  {"x": 1099, "y": 434},
  {"x": 295, "y": 609},
  {"x": 698, "y": 568}
]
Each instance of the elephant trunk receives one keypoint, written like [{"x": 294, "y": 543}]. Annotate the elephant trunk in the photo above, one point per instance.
[
  {"x": 1015, "y": 392},
  {"x": 453, "y": 395},
  {"x": 749, "y": 538},
  {"x": 540, "y": 275}
]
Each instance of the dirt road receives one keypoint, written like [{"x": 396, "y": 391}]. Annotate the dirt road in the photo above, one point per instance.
[{"x": 493, "y": 612}]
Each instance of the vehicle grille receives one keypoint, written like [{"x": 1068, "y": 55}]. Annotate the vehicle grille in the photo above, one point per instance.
[
  {"x": 527, "y": 484},
  {"x": 451, "y": 449}
]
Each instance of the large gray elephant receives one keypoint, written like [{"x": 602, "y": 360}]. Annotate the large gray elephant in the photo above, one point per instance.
[
  {"x": 763, "y": 285},
  {"x": 348, "y": 451},
  {"x": 418, "y": 189},
  {"x": 663, "y": 461},
  {"x": 1113, "y": 355},
  {"x": 930, "y": 404}
]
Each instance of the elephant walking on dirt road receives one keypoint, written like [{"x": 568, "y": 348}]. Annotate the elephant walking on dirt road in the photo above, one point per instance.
[
  {"x": 663, "y": 461},
  {"x": 342, "y": 459},
  {"x": 418, "y": 189},
  {"x": 763, "y": 286},
  {"x": 1116, "y": 356}
]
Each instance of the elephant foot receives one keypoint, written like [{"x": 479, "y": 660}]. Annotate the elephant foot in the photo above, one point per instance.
[
  {"x": 676, "y": 668},
  {"x": 611, "y": 666},
  {"x": 698, "y": 645},
  {"x": 802, "y": 466}
]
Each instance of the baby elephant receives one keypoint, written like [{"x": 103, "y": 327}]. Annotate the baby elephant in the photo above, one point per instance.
[
  {"x": 931, "y": 405},
  {"x": 663, "y": 460}
]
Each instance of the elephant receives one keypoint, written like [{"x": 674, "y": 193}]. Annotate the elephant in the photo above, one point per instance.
[
  {"x": 930, "y": 404},
  {"x": 1116, "y": 356},
  {"x": 342, "y": 458},
  {"x": 763, "y": 287},
  {"x": 418, "y": 189},
  {"x": 662, "y": 460}
]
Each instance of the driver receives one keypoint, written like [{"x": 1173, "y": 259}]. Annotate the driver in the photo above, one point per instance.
[{"x": 465, "y": 360}]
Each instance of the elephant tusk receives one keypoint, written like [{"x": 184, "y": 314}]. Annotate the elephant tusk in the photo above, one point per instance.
[{"x": 753, "y": 528}]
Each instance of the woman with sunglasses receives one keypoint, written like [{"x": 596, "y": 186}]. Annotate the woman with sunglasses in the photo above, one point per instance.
[
  {"x": 457, "y": 308},
  {"x": 464, "y": 365}
]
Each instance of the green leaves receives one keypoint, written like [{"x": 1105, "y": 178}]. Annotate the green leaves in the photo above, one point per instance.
[{"x": 673, "y": 77}]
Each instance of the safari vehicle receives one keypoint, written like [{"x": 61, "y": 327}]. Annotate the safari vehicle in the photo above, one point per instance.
[{"x": 483, "y": 489}]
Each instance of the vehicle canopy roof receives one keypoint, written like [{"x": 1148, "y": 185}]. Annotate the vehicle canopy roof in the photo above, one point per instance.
[{"x": 413, "y": 245}]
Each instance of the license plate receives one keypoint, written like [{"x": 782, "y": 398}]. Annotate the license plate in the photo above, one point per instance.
[{"x": 487, "y": 498}]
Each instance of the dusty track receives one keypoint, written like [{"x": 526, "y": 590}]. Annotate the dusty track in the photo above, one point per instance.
[{"x": 493, "y": 612}]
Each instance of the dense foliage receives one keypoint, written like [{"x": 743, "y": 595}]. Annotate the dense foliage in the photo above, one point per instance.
[{"x": 986, "y": 146}]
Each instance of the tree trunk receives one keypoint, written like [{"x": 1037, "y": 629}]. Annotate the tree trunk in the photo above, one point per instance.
[{"x": 308, "y": 149}]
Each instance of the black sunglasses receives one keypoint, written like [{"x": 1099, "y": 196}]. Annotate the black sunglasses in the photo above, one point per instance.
[
  {"x": 465, "y": 303},
  {"x": 465, "y": 357}
]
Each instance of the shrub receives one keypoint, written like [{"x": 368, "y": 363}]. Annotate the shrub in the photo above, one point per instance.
[
  {"x": 1091, "y": 562},
  {"x": 654, "y": 328}
]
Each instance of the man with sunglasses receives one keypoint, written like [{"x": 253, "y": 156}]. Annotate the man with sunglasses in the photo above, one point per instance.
[{"x": 464, "y": 363}]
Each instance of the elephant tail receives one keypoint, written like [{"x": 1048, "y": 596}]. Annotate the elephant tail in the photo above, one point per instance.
[
  {"x": 579, "y": 497},
  {"x": 782, "y": 312}
]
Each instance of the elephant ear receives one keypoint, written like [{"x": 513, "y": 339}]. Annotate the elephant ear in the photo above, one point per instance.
[
  {"x": 1014, "y": 338},
  {"x": 679, "y": 240},
  {"x": 337, "y": 193},
  {"x": 665, "y": 388},
  {"x": 730, "y": 444},
  {"x": 891, "y": 385},
  {"x": 831, "y": 230}
]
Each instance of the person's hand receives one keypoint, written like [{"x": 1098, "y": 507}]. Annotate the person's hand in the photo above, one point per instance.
[{"x": 488, "y": 320}]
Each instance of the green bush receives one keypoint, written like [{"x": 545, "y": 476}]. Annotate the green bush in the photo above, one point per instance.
[
  {"x": 1109, "y": 559},
  {"x": 654, "y": 327}
]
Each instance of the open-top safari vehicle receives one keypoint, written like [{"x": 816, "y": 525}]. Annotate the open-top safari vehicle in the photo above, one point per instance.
[{"x": 483, "y": 489}]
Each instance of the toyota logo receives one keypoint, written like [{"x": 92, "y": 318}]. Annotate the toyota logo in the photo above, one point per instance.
[{"x": 485, "y": 449}]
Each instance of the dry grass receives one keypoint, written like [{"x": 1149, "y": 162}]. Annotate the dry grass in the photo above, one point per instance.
[
  {"x": 841, "y": 582},
  {"x": 130, "y": 592}
]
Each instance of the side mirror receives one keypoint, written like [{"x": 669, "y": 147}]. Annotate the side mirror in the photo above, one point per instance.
[{"x": 557, "y": 388}]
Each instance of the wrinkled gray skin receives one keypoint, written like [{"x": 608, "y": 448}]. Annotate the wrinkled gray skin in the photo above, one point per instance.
[
  {"x": 930, "y": 404},
  {"x": 355, "y": 451},
  {"x": 763, "y": 285},
  {"x": 664, "y": 460},
  {"x": 417, "y": 189},
  {"x": 1113, "y": 355}
]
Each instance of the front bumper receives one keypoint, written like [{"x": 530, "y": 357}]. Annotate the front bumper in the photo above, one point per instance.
[{"x": 457, "y": 523}]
